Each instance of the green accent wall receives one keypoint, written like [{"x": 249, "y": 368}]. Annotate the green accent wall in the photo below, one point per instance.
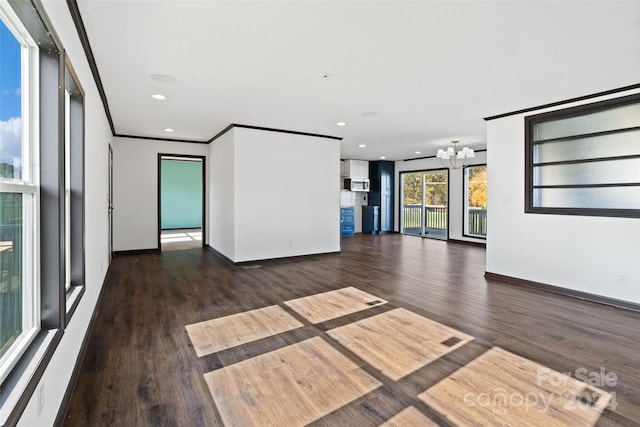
[{"x": 181, "y": 194}]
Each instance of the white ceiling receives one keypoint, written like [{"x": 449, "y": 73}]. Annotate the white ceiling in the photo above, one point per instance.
[{"x": 431, "y": 70}]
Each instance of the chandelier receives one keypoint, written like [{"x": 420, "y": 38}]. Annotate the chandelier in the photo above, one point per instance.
[{"x": 453, "y": 159}]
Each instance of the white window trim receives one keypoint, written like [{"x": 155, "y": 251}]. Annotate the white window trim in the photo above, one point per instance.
[{"x": 28, "y": 184}]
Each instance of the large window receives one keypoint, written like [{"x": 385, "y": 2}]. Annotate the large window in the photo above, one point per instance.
[
  {"x": 19, "y": 317},
  {"x": 475, "y": 201},
  {"x": 585, "y": 160},
  {"x": 41, "y": 199}
]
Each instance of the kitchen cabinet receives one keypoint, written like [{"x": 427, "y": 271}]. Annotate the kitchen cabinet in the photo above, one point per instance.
[
  {"x": 347, "y": 221},
  {"x": 355, "y": 169},
  {"x": 382, "y": 177}
]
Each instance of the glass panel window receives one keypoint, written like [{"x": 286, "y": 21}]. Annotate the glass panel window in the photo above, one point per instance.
[
  {"x": 11, "y": 258},
  {"x": 10, "y": 104},
  {"x": 612, "y": 145},
  {"x": 599, "y": 197},
  {"x": 585, "y": 160},
  {"x": 18, "y": 197},
  {"x": 475, "y": 208},
  {"x": 621, "y": 117}
]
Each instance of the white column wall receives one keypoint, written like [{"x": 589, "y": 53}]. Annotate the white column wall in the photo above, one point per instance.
[
  {"x": 222, "y": 199},
  {"x": 285, "y": 195}
]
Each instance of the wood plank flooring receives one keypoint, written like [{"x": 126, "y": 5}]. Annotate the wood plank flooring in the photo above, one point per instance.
[
  {"x": 410, "y": 417},
  {"x": 398, "y": 342},
  {"x": 329, "y": 305},
  {"x": 292, "y": 386},
  {"x": 141, "y": 368},
  {"x": 219, "y": 334},
  {"x": 500, "y": 385}
]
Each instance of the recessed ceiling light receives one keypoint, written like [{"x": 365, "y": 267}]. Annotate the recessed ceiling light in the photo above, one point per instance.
[
  {"x": 362, "y": 145},
  {"x": 163, "y": 78},
  {"x": 383, "y": 157},
  {"x": 341, "y": 124},
  {"x": 369, "y": 114},
  {"x": 158, "y": 96},
  {"x": 169, "y": 130},
  {"x": 418, "y": 152}
]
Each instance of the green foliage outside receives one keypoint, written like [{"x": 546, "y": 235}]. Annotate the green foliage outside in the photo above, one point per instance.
[
  {"x": 436, "y": 188},
  {"x": 478, "y": 187}
]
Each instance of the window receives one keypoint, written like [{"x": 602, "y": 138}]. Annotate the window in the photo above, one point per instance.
[
  {"x": 19, "y": 317},
  {"x": 585, "y": 160},
  {"x": 73, "y": 189},
  {"x": 41, "y": 199},
  {"x": 475, "y": 201}
]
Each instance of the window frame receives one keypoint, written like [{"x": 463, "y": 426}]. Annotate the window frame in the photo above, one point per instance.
[
  {"x": 530, "y": 143},
  {"x": 27, "y": 184},
  {"x": 465, "y": 201},
  {"x": 74, "y": 172}
]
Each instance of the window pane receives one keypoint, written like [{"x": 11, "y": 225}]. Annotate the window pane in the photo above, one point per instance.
[
  {"x": 10, "y": 105},
  {"x": 476, "y": 201},
  {"x": 605, "y": 172},
  {"x": 610, "y": 119},
  {"x": 10, "y": 269},
  {"x": 594, "y": 198},
  {"x": 620, "y": 144}
]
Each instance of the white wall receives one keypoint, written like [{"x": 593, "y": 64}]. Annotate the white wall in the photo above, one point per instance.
[
  {"x": 286, "y": 195},
  {"x": 97, "y": 137},
  {"x": 581, "y": 253},
  {"x": 456, "y": 192},
  {"x": 135, "y": 189},
  {"x": 222, "y": 199}
]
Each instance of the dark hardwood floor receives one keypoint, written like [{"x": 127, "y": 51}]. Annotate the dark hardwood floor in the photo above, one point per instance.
[{"x": 140, "y": 368}]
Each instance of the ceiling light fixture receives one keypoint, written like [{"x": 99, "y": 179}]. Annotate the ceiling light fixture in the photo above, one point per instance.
[
  {"x": 158, "y": 96},
  {"x": 362, "y": 145},
  {"x": 169, "y": 130},
  {"x": 341, "y": 124},
  {"x": 383, "y": 157},
  {"x": 418, "y": 152},
  {"x": 455, "y": 159}
]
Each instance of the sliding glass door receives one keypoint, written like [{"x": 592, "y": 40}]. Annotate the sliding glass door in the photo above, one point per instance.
[
  {"x": 412, "y": 202},
  {"x": 425, "y": 197}
]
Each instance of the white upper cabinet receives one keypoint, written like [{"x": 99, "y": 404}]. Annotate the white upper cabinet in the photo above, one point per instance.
[{"x": 355, "y": 169}]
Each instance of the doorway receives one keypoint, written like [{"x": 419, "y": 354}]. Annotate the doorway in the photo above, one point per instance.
[
  {"x": 181, "y": 202},
  {"x": 425, "y": 203}
]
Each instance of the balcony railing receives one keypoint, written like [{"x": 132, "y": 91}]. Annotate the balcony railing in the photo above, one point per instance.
[
  {"x": 436, "y": 218},
  {"x": 477, "y": 222}
]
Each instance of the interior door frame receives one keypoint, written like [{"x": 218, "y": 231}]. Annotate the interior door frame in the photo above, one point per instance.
[
  {"x": 204, "y": 192},
  {"x": 110, "y": 202},
  {"x": 401, "y": 197}
]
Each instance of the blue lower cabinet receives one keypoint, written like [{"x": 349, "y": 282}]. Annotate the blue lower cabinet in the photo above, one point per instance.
[
  {"x": 370, "y": 219},
  {"x": 347, "y": 221}
]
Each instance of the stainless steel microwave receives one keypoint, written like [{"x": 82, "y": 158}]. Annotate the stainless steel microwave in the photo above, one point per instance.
[{"x": 356, "y": 184}]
